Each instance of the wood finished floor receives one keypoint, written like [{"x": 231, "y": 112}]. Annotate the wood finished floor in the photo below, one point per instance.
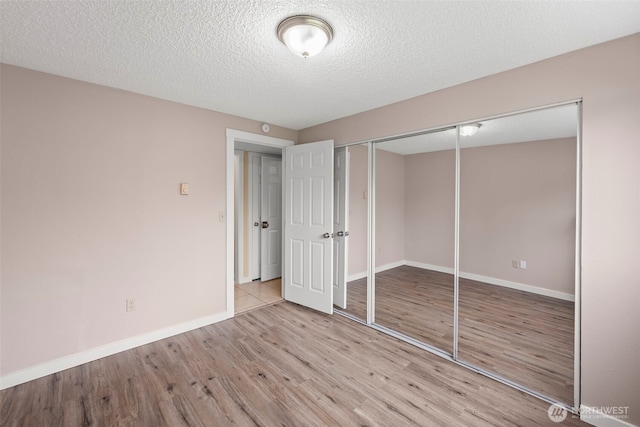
[
  {"x": 281, "y": 365},
  {"x": 525, "y": 337}
]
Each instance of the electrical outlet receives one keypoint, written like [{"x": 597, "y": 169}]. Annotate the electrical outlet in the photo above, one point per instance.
[
  {"x": 131, "y": 304},
  {"x": 514, "y": 263}
]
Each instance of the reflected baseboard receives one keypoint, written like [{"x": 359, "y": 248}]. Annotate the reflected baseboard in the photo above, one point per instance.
[
  {"x": 357, "y": 276},
  {"x": 363, "y": 274},
  {"x": 484, "y": 279},
  {"x": 519, "y": 286}
]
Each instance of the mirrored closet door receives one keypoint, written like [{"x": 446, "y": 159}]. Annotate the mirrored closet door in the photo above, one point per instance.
[
  {"x": 517, "y": 247},
  {"x": 351, "y": 207},
  {"x": 415, "y": 180},
  {"x": 474, "y": 244}
]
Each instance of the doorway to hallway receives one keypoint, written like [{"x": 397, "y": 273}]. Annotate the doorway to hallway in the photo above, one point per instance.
[{"x": 257, "y": 294}]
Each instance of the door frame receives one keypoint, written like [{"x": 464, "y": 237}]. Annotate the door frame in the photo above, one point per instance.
[{"x": 233, "y": 136}]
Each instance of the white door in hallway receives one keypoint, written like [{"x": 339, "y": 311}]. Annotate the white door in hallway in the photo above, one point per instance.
[
  {"x": 271, "y": 215},
  {"x": 308, "y": 219}
]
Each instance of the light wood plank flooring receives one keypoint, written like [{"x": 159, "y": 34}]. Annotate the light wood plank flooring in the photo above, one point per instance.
[
  {"x": 525, "y": 337},
  {"x": 252, "y": 295},
  {"x": 281, "y": 365}
]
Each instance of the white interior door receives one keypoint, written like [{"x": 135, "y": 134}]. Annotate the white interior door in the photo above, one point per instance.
[
  {"x": 308, "y": 221},
  {"x": 340, "y": 225},
  {"x": 255, "y": 165},
  {"x": 271, "y": 207}
]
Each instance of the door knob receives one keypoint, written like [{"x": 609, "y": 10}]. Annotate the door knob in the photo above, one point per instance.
[
  {"x": 340, "y": 233},
  {"x": 265, "y": 224},
  {"x": 326, "y": 235},
  {"x": 256, "y": 224}
]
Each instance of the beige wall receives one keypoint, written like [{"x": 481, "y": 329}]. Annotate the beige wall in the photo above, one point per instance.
[
  {"x": 358, "y": 206},
  {"x": 517, "y": 199},
  {"x": 390, "y": 208},
  {"x": 517, "y": 202},
  {"x": 430, "y": 185},
  {"x": 606, "y": 78},
  {"x": 91, "y": 215}
]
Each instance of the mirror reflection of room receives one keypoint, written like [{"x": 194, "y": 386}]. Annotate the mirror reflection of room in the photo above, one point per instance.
[
  {"x": 415, "y": 220},
  {"x": 357, "y": 206},
  {"x": 516, "y": 246},
  {"x": 517, "y": 249}
]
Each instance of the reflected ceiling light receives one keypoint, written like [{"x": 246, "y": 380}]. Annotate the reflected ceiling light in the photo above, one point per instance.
[
  {"x": 305, "y": 35},
  {"x": 470, "y": 129}
]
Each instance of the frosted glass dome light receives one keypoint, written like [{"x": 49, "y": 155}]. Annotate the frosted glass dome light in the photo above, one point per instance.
[
  {"x": 305, "y": 35},
  {"x": 468, "y": 130}
]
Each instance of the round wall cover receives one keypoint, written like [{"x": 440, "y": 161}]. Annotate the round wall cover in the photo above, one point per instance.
[{"x": 265, "y": 128}]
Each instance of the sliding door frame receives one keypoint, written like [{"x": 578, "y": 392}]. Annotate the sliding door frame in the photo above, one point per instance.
[{"x": 371, "y": 270}]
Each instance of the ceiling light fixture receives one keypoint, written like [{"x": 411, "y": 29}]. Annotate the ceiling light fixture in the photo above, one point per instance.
[
  {"x": 305, "y": 35},
  {"x": 470, "y": 129}
]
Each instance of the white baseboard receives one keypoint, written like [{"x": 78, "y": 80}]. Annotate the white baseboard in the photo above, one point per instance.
[
  {"x": 431, "y": 267},
  {"x": 66, "y": 362},
  {"x": 490, "y": 280},
  {"x": 389, "y": 266},
  {"x": 497, "y": 282},
  {"x": 363, "y": 274},
  {"x": 242, "y": 280},
  {"x": 519, "y": 286},
  {"x": 596, "y": 417},
  {"x": 357, "y": 276}
]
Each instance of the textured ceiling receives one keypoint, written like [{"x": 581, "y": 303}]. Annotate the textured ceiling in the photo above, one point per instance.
[{"x": 225, "y": 56}]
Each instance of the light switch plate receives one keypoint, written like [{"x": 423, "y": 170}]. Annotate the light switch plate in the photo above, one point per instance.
[{"x": 184, "y": 189}]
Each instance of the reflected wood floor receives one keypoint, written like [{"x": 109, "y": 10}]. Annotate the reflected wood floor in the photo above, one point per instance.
[
  {"x": 356, "y": 299},
  {"x": 418, "y": 303},
  {"x": 281, "y": 365},
  {"x": 519, "y": 335},
  {"x": 525, "y": 337}
]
